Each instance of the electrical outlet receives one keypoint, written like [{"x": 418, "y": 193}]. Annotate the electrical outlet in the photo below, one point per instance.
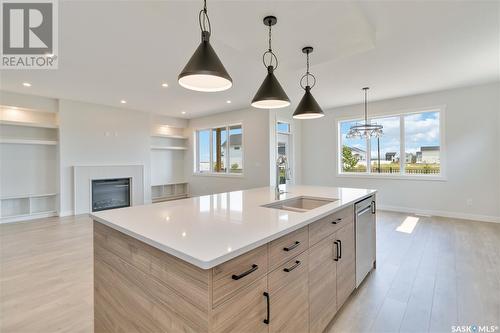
[{"x": 469, "y": 202}]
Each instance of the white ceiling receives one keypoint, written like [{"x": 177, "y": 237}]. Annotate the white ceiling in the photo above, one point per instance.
[{"x": 114, "y": 50}]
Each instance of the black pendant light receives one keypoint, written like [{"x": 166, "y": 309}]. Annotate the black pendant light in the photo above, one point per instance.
[
  {"x": 204, "y": 71},
  {"x": 270, "y": 94},
  {"x": 308, "y": 108}
]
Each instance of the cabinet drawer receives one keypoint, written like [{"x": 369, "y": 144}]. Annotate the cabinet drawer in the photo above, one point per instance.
[
  {"x": 245, "y": 312},
  {"x": 292, "y": 270},
  {"x": 237, "y": 273},
  {"x": 330, "y": 224},
  {"x": 288, "y": 246}
]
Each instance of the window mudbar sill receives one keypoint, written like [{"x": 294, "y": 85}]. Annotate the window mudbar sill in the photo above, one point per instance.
[{"x": 438, "y": 178}]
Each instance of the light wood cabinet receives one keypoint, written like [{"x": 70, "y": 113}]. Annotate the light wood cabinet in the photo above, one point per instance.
[
  {"x": 237, "y": 273},
  {"x": 295, "y": 283},
  {"x": 245, "y": 312},
  {"x": 322, "y": 284},
  {"x": 332, "y": 275},
  {"x": 346, "y": 264},
  {"x": 288, "y": 289},
  {"x": 329, "y": 224},
  {"x": 288, "y": 246}
]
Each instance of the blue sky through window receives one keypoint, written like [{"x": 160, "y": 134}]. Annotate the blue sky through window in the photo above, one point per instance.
[{"x": 421, "y": 130}]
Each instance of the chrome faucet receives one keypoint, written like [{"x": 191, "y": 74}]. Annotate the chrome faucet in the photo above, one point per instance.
[{"x": 281, "y": 162}]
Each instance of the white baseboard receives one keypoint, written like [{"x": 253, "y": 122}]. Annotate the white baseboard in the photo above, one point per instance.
[
  {"x": 27, "y": 217},
  {"x": 66, "y": 213},
  {"x": 455, "y": 215}
]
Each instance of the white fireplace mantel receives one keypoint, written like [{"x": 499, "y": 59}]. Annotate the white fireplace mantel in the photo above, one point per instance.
[{"x": 84, "y": 174}]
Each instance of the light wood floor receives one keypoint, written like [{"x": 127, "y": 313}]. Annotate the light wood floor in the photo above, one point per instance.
[{"x": 445, "y": 272}]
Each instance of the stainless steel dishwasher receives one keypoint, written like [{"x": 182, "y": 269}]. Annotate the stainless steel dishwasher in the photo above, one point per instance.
[{"x": 365, "y": 220}]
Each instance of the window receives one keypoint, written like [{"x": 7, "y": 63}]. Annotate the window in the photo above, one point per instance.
[
  {"x": 411, "y": 145},
  {"x": 219, "y": 150},
  {"x": 353, "y": 153},
  {"x": 284, "y": 148},
  {"x": 422, "y": 149},
  {"x": 282, "y": 127}
]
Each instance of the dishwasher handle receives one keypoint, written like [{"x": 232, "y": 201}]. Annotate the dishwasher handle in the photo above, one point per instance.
[{"x": 364, "y": 210}]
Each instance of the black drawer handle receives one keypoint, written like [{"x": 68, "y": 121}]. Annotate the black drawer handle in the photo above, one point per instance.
[
  {"x": 374, "y": 207},
  {"x": 268, "y": 319},
  {"x": 340, "y": 247},
  {"x": 291, "y": 247},
  {"x": 337, "y": 220},
  {"x": 242, "y": 275},
  {"x": 336, "y": 252},
  {"x": 289, "y": 269}
]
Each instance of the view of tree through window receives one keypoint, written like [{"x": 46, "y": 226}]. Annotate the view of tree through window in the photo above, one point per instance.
[
  {"x": 220, "y": 150},
  {"x": 219, "y": 142},
  {"x": 353, "y": 150},
  {"x": 417, "y": 153}
]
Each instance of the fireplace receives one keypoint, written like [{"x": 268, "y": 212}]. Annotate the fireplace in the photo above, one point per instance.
[{"x": 110, "y": 193}]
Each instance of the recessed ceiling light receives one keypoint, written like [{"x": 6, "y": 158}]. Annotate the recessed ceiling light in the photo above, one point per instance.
[
  {"x": 123, "y": 101},
  {"x": 26, "y": 84},
  {"x": 183, "y": 112},
  {"x": 164, "y": 84},
  {"x": 228, "y": 102}
]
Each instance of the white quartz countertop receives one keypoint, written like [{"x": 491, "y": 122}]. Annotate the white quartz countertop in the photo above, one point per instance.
[{"x": 208, "y": 230}]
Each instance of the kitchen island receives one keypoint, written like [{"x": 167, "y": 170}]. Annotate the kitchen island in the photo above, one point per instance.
[{"x": 230, "y": 262}]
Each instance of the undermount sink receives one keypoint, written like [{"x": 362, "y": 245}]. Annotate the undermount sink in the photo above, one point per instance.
[{"x": 300, "y": 204}]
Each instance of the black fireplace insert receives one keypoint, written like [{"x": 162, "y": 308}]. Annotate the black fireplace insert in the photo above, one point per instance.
[{"x": 110, "y": 193}]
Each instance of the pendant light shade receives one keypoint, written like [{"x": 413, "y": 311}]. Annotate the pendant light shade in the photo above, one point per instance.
[
  {"x": 204, "y": 71},
  {"x": 270, "y": 94},
  {"x": 308, "y": 108}
]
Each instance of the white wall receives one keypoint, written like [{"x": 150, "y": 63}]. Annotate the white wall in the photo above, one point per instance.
[
  {"x": 472, "y": 139},
  {"x": 93, "y": 134},
  {"x": 28, "y": 101},
  {"x": 255, "y": 149}
]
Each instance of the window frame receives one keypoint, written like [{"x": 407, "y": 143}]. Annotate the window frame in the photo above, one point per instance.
[
  {"x": 441, "y": 109},
  {"x": 196, "y": 151}
]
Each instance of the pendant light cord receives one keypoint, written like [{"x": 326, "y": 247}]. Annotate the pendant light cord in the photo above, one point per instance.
[
  {"x": 270, "y": 52},
  {"x": 270, "y": 39},
  {"x": 307, "y": 70},
  {"x": 204, "y": 20},
  {"x": 307, "y": 75}
]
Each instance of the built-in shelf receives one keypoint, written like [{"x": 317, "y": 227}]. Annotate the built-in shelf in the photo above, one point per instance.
[
  {"x": 170, "y": 136},
  {"x": 169, "y": 191},
  {"x": 168, "y": 148},
  {"x": 28, "y": 124},
  {"x": 29, "y": 173},
  {"x": 29, "y": 141},
  {"x": 27, "y": 206},
  {"x": 28, "y": 196},
  {"x": 169, "y": 198},
  {"x": 170, "y": 183}
]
